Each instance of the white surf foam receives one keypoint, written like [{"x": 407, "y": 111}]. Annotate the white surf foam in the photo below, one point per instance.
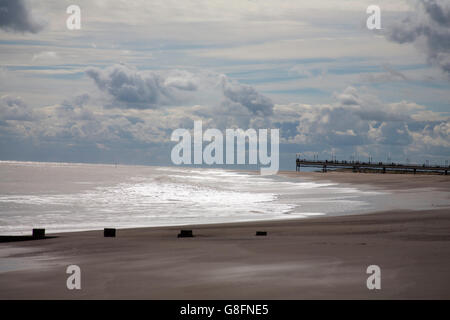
[{"x": 146, "y": 196}]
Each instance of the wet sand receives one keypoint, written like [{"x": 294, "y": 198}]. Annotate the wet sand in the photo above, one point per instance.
[
  {"x": 386, "y": 181},
  {"x": 311, "y": 258}
]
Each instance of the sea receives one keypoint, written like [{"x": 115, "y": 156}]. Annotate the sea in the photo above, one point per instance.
[{"x": 64, "y": 197}]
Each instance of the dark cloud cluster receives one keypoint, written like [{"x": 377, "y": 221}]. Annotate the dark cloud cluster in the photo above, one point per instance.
[
  {"x": 359, "y": 122},
  {"x": 135, "y": 89},
  {"x": 429, "y": 27},
  {"x": 131, "y": 88},
  {"x": 15, "y": 15},
  {"x": 248, "y": 97},
  {"x": 356, "y": 122}
]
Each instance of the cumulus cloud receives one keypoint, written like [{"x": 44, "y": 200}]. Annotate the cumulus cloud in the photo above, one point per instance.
[
  {"x": 349, "y": 97},
  {"x": 135, "y": 89},
  {"x": 429, "y": 28},
  {"x": 131, "y": 88},
  {"x": 358, "y": 121},
  {"x": 15, "y": 15},
  {"x": 14, "y": 108},
  {"x": 355, "y": 121},
  {"x": 248, "y": 97}
]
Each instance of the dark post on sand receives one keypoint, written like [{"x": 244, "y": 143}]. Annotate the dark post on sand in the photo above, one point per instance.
[
  {"x": 185, "y": 234},
  {"x": 38, "y": 233},
  {"x": 109, "y": 232}
]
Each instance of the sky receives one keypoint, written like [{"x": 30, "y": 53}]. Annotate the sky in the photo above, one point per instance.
[{"x": 136, "y": 70}]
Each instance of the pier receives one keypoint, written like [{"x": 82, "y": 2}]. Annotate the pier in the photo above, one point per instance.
[{"x": 358, "y": 166}]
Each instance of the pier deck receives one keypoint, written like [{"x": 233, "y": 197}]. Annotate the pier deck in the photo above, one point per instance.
[{"x": 358, "y": 166}]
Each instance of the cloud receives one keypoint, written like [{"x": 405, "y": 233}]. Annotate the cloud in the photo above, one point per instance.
[
  {"x": 248, "y": 97},
  {"x": 44, "y": 55},
  {"x": 130, "y": 87},
  {"x": 429, "y": 28},
  {"x": 359, "y": 121},
  {"x": 348, "y": 97},
  {"x": 356, "y": 121},
  {"x": 15, "y": 15},
  {"x": 389, "y": 75},
  {"x": 439, "y": 12},
  {"x": 135, "y": 89},
  {"x": 135, "y": 107},
  {"x": 14, "y": 108}
]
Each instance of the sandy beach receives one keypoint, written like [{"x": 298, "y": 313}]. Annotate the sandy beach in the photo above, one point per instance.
[
  {"x": 314, "y": 258},
  {"x": 184, "y": 151}
]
